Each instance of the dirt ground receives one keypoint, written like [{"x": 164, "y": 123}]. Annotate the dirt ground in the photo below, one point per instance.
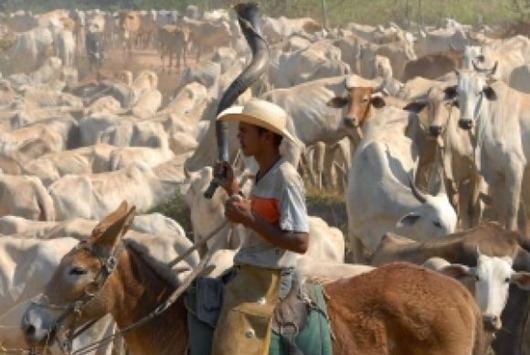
[{"x": 141, "y": 59}]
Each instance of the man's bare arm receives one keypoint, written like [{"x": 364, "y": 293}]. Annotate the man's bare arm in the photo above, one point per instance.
[{"x": 238, "y": 211}]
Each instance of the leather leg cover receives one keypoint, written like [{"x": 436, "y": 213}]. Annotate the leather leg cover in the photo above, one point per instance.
[{"x": 244, "y": 326}]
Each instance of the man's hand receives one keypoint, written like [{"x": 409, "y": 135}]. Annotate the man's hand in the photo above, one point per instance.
[
  {"x": 229, "y": 182},
  {"x": 238, "y": 210}
]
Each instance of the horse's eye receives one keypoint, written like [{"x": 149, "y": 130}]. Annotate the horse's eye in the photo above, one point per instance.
[{"x": 76, "y": 270}]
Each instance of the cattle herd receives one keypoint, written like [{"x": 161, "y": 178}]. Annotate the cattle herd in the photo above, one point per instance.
[{"x": 426, "y": 132}]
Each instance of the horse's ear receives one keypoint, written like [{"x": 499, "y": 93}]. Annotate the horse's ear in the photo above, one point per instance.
[{"x": 111, "y": 228}]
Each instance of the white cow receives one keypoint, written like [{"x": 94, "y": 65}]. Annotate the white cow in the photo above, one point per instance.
[
  {"x": 25, "y": 196},
  {"x": 500, "y": 119},
  {"x": 381, "y": 195},
  {"x": 320, "y": 60},
  {"x": 123, "y": 157},
  {"x": 29, "y": 51},
  {"x": 492, "y": 278},
  {"x": 85, "y": 160},
  {"x": 103, "y": 192}
]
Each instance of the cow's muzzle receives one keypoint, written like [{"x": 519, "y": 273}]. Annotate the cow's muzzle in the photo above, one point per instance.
[
  {"x": 492, "y": 323},
  {"x": 465, "y": 123},
  {"x": 435, "y": 131},
  {"x": 350, "y": 121}
]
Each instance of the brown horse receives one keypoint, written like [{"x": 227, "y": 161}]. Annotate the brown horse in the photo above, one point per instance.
[{"x": 395, "y": 309}]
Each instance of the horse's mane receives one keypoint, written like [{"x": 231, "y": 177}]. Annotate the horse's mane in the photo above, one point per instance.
[{"x": 159, "y": 268}]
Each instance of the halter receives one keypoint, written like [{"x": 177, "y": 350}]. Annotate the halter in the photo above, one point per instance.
[
  {"x": 108, "y": 264},
  {"x": 441, "y": 143}
]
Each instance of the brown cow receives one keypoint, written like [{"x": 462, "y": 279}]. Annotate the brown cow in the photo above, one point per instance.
[
  {"x": 461, "y": 248},
  {"x": 399, "y": 309},
  {"x": 173, "y": 41},
  {"x": 359, "y": 100},
  {"x": 129, "y": 24},
  {"x": 208, "y": 35},
  {"x": 433, "y": 66}
]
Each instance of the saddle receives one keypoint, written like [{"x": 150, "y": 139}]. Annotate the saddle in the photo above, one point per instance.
[
  {"x": 290, "y": 315},
  {"x": 299, "y": 325}
]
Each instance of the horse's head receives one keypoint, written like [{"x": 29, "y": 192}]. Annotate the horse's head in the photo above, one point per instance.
[{"x": 83, "y": 287}]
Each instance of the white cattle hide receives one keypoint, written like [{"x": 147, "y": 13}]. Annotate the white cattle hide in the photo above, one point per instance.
[
  {"x": 25, "y": 196},
  {"x": 380, "y": 195},
  {"x": 102, "y": 193}
]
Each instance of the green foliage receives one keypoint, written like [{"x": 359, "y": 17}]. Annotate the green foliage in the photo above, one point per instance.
[
  {"x": 330, "y": 206},
  {"x": 176, "y": 208},
  {"x": 339, "y": 11}
]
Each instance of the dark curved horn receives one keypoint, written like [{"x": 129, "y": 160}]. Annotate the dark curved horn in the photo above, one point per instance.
[
  {"x": 494, "y": 69},
  {"x": 248, "y": 17},
  {"x": 487, "y": 71},
  {"x": 417, "y": 194}
]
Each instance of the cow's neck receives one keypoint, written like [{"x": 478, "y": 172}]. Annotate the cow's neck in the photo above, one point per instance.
[{"x": 143, "y": 291}]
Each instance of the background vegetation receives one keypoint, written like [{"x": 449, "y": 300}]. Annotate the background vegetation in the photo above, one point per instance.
[{"x": 339, "y": 11}]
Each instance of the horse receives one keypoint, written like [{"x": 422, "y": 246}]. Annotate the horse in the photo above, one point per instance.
[{"x": 396, "y": 309}]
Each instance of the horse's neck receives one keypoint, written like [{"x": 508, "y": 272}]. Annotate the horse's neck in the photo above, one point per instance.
[{"x": 143, "y": 291}]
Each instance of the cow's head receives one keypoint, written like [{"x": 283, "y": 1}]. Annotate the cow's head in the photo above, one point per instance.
[
  {"x": 441, "y": 108},
  {"x": 358, "y": 102},
  {"x": 493, "y": 276},
  {"x": 433, "y": 216},
  {"x": 471, "y": 92}
]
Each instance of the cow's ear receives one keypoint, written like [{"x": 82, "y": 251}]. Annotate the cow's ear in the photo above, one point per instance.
[
  {"x": 408, "y": 220},
  {"x": 338, "y": 102},
  {"x": 457, "y": 271},
  {"x": 377, "y": 101},
  {"x": 522, "y": 280},
  {"x": 450, "y": 92},
  {"x": 490, "y": 93},
  {"x": 415, "y": 107}
]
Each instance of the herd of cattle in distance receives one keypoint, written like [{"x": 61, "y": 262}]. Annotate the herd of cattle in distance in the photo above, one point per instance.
[{"x": 426, "y": 132}]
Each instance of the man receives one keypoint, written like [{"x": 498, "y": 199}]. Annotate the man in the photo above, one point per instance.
[{"x": 276, "y": 216}]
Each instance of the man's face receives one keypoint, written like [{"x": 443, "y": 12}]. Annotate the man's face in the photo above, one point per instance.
[{"x": 249, "y": 139}]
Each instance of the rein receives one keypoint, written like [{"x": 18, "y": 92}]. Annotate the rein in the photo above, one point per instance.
[{"x": 108, "y": 266}]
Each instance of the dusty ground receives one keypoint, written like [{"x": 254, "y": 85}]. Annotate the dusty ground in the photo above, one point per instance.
[{"x": 141, "y": 59}]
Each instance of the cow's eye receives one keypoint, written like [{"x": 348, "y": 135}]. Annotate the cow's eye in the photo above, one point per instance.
[
  {"x": 76, "y": 270},
  {"x": 437, "y": 224},
  {"x": 507, "y": 280}
]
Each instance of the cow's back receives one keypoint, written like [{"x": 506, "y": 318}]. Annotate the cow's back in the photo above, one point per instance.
[{"x": 403, "y": 309}]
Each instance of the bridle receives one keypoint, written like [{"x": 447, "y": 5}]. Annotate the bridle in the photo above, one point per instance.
[
  {"x": 109, "y": 264},
  {"x": 91, "y": 291}
]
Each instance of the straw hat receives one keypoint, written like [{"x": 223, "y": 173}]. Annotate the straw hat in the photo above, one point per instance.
[{"x": 260, "y": 113}]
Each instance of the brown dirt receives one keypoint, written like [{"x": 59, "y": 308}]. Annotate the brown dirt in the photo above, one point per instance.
[{"x": 140, "y": 59}]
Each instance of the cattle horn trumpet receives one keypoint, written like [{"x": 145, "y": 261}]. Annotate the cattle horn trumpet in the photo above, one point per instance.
[{"x": 248, "y": 18}]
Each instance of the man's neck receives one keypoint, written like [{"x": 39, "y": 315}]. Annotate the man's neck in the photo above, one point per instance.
[{"x": 266, "y": 161}]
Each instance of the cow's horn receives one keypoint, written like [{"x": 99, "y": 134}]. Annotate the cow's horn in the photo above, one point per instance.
[
  {"x": 349, "y": 82},
  {"x": 417, "y": 194},
  {"x": 487, "y": 71}
]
